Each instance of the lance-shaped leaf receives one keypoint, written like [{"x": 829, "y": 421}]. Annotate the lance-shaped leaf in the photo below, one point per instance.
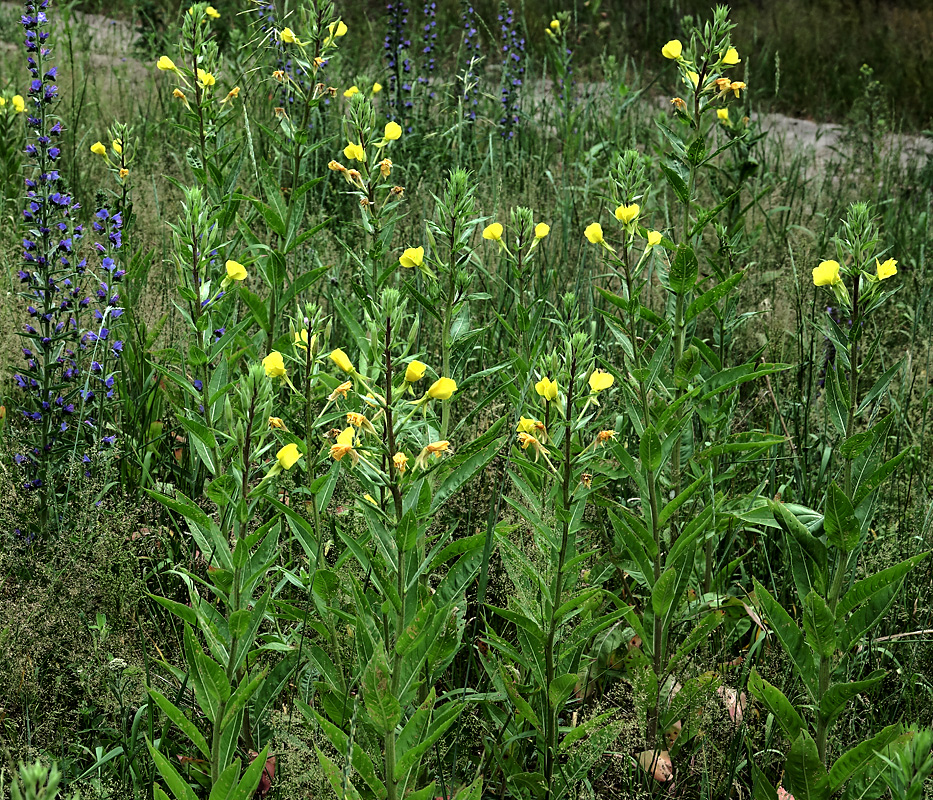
[
  {"x": 839, "y": 522},
  {"x": 805, "y": 776},
  {"x": 834, "y": 701},
  {"x": 343, "y": 788},
  {"x": 778, "y": 704},
  {"x": 381, "y": 705},
  {"x": 696, "y": 637},
  {"x": 867, "y": 587},
  {"x": 809, "y": 562},
  {"x": 187, "y": 727},
  {"x": 561, "y": 688},
  {"x": 410, "y": 757},
  {"x": 819, "y": 625},
  {"x": 178, "y": 785},
  {"x": 649, "y": 450},
  {"x": 246, "y": 788},
  {"x": 790, "y": 637},
  {"x": 860, "y": 756}
]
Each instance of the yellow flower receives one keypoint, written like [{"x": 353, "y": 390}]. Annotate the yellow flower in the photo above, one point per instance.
[
  {"x": 415, "y": 371},
  {"x": 166, "y": 64},
  {"x": 435, "y": 449},
  {"x": 442, "y": 389},
  {"x": 604, "y": 436},
  {"x": 731, "y": 58},
  {"x": 19, "y": 105},
  {"x": 654, "y": 238},
  {"x": 723, "y": 114},
  {"x": 274, "y": 365},
  {"x": 672, "y": 49},
  {"x": 555, "y": 26},
  {"x": 288, "y": 37},
  {"x": 526, "y": 425},
  {"x": 2, "y": 102},
  {"x": 600, "y": 380},
  {"x": 234, "y": 92},
  {"x": 627, "y": 214},
  {"x": 736, "y": 86},
  {"x": 288, "y": 455},
  {"x": 393, "y": 131},
  {"x": 542, "y": 229},
  {"x": 351, "y": 91},
  {"x": 826, "y": 274},
  {"x": 342, "y": 360},
  {"x": 723, "y": 85},
  {"x": 301, "y": 339},
  {"x": 354, "y": 151},
  {"x": 401, "y": 462},
  {"x": 276, "y": 422},
  {"x": 377, "y": 87},
  {"x": 341, "y": 30},
  {"x": 123, "y": 173},
  {"x": 370, "y": 499},
  {"x": 205, "y": 79},
  {"x": 356, "y": 420},
  {"x": 385, "y": 167},
  {"x": 212, "y": 12},
  {"x": 235, "y": 271},
  {"x": 887, "y": 269},
  {"x": 340, "y": 391},
  {"x": 547, "y": 389},
  {"x": 694, "y": 78},
  {"x": 412, "y": 257},
  {"x": 117, "y": 147},
  {"x": 493, "y": 232},
  {"x": 98, "y": 149},
  {"x": 344, "y": 446},
  {"x": 180, "y": 95},
  {"x": 594, "y": 232}
]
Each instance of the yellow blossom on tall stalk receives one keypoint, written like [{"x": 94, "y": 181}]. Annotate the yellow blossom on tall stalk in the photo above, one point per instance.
[
  {"x": 826, "y": 274},
  {"x": 654, "y": 238},
  {"x": 722, "y": 114},
  {"x": 393, "y": 131},
  {"x": 493, "y": 232},
  {"x": 288, "y": 37},
  {"x": 354, "y": 151},
  {"x": 442, "y": 389},
  {"x": 600, "y": 380},
  {"x": 357, "y": 420},
  {"x": 415, "y": 371},
  {"x": 435, "y": 449},
  {"x": 412, "y": 257},
  {"x": 19, "y": 105},
  {"x": 377, "y": 87},
  {"x": 351, "y": 91},
  {"x": 401, "y": 462},
  {"x": 627, "y": 214},
  {"x": 335, "y": 30},
  {"x": 212, "y": 12},
  {"x": 276, "y": 422},
  {"x": 98, "y": 149},
  {"x": 673, "y": 49},
  {"x": 205, "y": 79},
  {"x": 731, "y": 57},
  {"x": 885, "y": 270},
  {"x": 166, "y": 64},
  {"x": 542, "y": 229},
  {"x": 344, "y": 446},
  {"x": 274, "y": 365},
  {"x": 547, "y": 389},
  {"x": 341, "y": 391},
  {"x": 342, "y": 360},
  {"x": 527, "y": 425},
  {"x": 235, "y": 271},
  {"x": 288, "y": 456}
]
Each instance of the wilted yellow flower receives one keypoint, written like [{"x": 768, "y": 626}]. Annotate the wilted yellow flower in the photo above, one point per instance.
[
  {"x": 723, "y": 114},
  {"x": 678, "y": 103},
  {"x": 672, "y": 49},
  {"x": 336, "y": 166},
  {"x": 723, "y": 84},
  {"x": 731, "y": 57},
  {"x": 412, "y": 257},
  {"x": 212, "y": 12},
  {"x": 435, "y": 449},
  {"x": 525, "y": 439},
  {"x": 594, "y": 232},
  {"x": 385, "y": 168},
  {"x": 274, "y": 365},
  {"x": 341, "y": 360},
  {"x": 415, "y": 371},
  {"x": 547, "y": 389},
  {"x": 288, "y": 455},
  {"x": 737, "y": 86},
  {"x": 19, "y": 105},
  {"x": 360, "y": 421},
  {"x": 377, "y": 87},
  {"x": 235, "y": 271},
  {"x": 600, "y": 380},
  {"x": 442, "y": 389},
  {"x": 627, "y": 214},
  {"x": 123, "y": 173},
  {"x": 340, "y": 391},
  {"x": 205, "y": 79},
  {"x": 826, "y": 274},
  {"x": 279, "y": 75},
  {"x": 276, "y": 422},
  {"x": 344, "y": 446},
  {"x": 393, "y": 131},
  {"x": 166, "y": 64},
  {"x": 542, "y": 229},
  {"x": 351, "y": 91},
  {"x": 178, "y": 94},
  {"x": 354, "y": 151},
  {"x": 887, "y": 269},
  {"x": 604, "y": 436},
  {"x": 233, "y": 93},
  {"x": 401, "y": 462},
  {"x": 493, "y": 232},
  {"x": 654, "y": 238},
  {"x": 98, "y": 149}
]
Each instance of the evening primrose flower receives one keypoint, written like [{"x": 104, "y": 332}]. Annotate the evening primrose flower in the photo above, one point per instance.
[
  {"x": 600, "y": 380},
  {"x": 235, "y": 271},
  {"x": 288, "y": 37},
  {"x": 123, "y": 173},
  {"x": 356, "y": 420},
  {"x": 274, "y": 365},
  {"x": 435, "y": 449},
  {"x": 393, "y": 131},
  {"x": 694, "y": 78},
  {"x": 335, "y": 31},
  {"x": 276, "y": 422},
  {"x": 342, "y": 360},
  {"x": 233, "y": 93},
  {"x": 605, "y": 436},
  {"x": 212, "y": 12},
  {"x": 547, "y": 389},
  {"x": 354, "y": 151},
  {"x": 722, "y": 114},
  {"x": 542, "y": 229},
  {"x": 415, "y": 371},
  {"x": 178, "y": 94},
  {"x": 526, "y": 425},
  {"x": 672, "y": 49},
  {"x": 205, "y": 79},
  {"x": 351, "y": 91},
  {"x": 493, "y": 232},
  {"x": 731, "y": 57},
  {"x": 344, "y": 446},
  {"x": 737, "y": 86},
  {"x": 385, "y": 168},
  {"x": 117, "y": 146},
  {"x": 288, "y": 456},
  {"x": 627, "y": 214},
  {"x": 377, "y": 87},
  {"x": 98, "y": 149},
  {"x": 401, "y": 462},
  {"x": 19, "y": 105},
  {"x": 442, "y": 389},
  {"x": 555, "y": 26},
  {"x": 826, "y": 274},
  {"x": 654, "y": 238},
  {"x": 412, "y": 257},
  {"x": 594, "y": 232},
  {"x": 166, "y": 64},
  {"x": 340, "y": 391},
  {"x": 886, "y": 270}
]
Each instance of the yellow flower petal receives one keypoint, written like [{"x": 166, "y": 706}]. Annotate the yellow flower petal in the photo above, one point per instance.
[
  {"x": 672, "y": 49},
  {"x": 412, "y": 257},
  {"x": 826, "y": 274},
  {"x": 493, "y": 232}
]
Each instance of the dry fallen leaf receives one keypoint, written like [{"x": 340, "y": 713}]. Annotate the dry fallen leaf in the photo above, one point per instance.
[{"x": 657, "y": 763}]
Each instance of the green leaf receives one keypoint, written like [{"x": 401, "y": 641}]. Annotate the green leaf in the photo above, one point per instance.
[
  {"x": 561, "y": 688},
  {"x": 649, "y": 450},
  {"x": 225, "y": 783},
  {"x": 257, "y": 308},
  {"x": 464, "y": 472},
  {"x": 777, "y": 704},
  {"x": 688, "y": 367},
  {"x": 865, "y": 486},
  {"x": 662, "y": 596},
  {"x": 472, "y": 792},
  {"x": 634, "y": 544},
  {"x": 240, "y": 698},
  {"x": 411, "y": 756},
  {"x": 696, "y": 637},
  {"x": 524, "y": 708},
  {"x": 668, "y": 511},
  {"x": 804, "y": 774},
  {"x": 696, "y": 152},
  {"x": 860, "y": 756},
  {"x": 684, "y": 270},
  {"x": 839, "y": 522},
  {"x": 344, "y": 789},
  {"x": 215, "y": 679},
  {"x": 867, "y": 587},
  {"x": 381, "y": 705},
  {"x": 855, "y": 445},
  {"x": 791, "y": 639},
  {"x": 879, "y": 387},
  {"x": 250, "y": 780},
  {"x": 187, "y": 727},
  {"x": 833, "y": 702},
  {"x": 819, "y": 625},
  {"x": 836, "y": 398},
  {"x": 809, "y": 557},
  {"x": 178, "y": 786},
  {"x": 407, "y": 638},
  {"x": 678, "y": 184}
]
